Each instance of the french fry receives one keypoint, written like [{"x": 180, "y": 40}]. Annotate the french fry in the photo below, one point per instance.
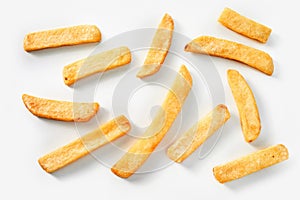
[
  {"x": 198, "y": 134},
  {"x": 245, "y": 26},
  {"x": 80, "y": 147},
  {"x": 101, "y": 62},
  {"x": 227, "y": 49},
  {"x": 251, "y": 163},
  {"x": 159, "y": 47},
  {"x": 61, "y": 37},
  {"x": 60, "y": 110},
  {"x": 245, "y": 101},
  {"x": 139, "y": 152}
]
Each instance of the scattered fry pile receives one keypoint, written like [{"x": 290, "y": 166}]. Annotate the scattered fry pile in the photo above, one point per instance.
[{"x": 185, "y": 145}]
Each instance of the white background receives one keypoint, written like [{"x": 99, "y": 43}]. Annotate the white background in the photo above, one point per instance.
[{"x": 24, "y": 138}]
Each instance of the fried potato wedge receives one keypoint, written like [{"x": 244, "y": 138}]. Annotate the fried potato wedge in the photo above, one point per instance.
[
  {"x": 68, "y": 36},
  {"x": 101, "y": 62},
  {"x": 251, "y": 163},
  {"x": 80, "y": 147},
  {"x": 227, "y": 49},
  {"x": 159, "y": 47},
  {"x": 139, "y": 152},
  {"x": 60, "y": 110},
  {"x": 245, "y": 101},
  {"x": 198, "y": 134},
  {"x": 244, "y": 26}
]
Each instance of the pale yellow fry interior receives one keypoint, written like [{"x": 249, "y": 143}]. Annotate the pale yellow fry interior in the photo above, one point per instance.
[
  {"x": 80, "y": 147},
  {"x": 250, "y": 163},
  {"x": 245, "y": 101},
  {"x": 142, "y": 148},
  {"x": 198, "y": 134},
  {"x": 100, "y": 62},
  {"x": 159, "y": 47},
  {"x": 60, "y": 110},
  {"x": 74, "y": 35},
  {"x": 255, "y": 58}
]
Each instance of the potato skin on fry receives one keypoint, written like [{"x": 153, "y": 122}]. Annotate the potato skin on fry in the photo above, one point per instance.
[
  {"x": 245, "y": 101},
  {"x": 227, "y": 49},
  {"x": 251, "y": 163},
  {"x": 60, "y": 110},
  {"x": 68, "y": 36},
  {"x": 80, "y": 147},
  {"x": 244, "y": 26}
]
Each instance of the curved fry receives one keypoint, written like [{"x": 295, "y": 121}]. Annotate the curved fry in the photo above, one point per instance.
[
  {"x": 227, "y": 49},
  {"x": 245, "y": 101},
  {"x": 60, "y": 110},
  {"x": 139, "y": 152}
]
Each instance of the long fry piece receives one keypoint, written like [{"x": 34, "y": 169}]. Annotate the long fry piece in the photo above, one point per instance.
[
  {"x": 101, "y": 62},
  {"x": 143, "y": 147},
  {"x": 245, "y": 101},
  {"x": 244, "y": 25},
  {"x": 74, "y": 35},
  {"x": 251, "y": 163},
  {"x": 198, "y": 134},
  {"x": 227, "y": 49},
  {"x": 80, "y": 147},
  {"x": 60, "y": 110},
  {"x": 159, "y": 47}
]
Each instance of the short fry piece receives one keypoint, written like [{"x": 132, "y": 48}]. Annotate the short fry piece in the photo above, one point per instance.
[
  {"x": 251, "y": 163},
  {"x": 244, "y": 26},
  {"x": 60, "y": 110},
  {"x": 80, "y": 147},
  {"x": 143, "y": 147},
  {"x": 245, "y": 101},
  {"x": 159, "y": 47},
  {"x": 62, "y": 37},
  {"x": 198, "y": 134},
  {"x": 101, "y": 62},
  {"x": 227, "y": 49}
]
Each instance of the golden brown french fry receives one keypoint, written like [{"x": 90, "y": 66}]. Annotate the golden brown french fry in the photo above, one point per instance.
[
  {"x": 251, "y": 163},
  {"x": 60, "y": 110},
  {"x": 74, "y": 35},
  {"x": 198, "y": 134},
  {"x": 227, "y": 49},
  {"x": 101, "y": 62},
  {"x": 143, "y": 147},
  {"x": 244, "y": 25},
  {"x": 245, "y": 101},
  {"x": 80, "y": 147},
  {"x": 159, "y": 47}
]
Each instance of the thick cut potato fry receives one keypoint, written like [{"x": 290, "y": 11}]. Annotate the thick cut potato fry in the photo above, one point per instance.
[
  {"x": 232, "y": 50},
  {"x": 62, "y": 37},
  {"x": 139, "y": 152},
  {"x": 101, "y": 62},
  {"x": 159, "y": 48},
  {"x": 198, "y": 134},
  {"x": 84, "y": 145},
  {"x": 244, "y": 26},
  {"x": 245, "y": 101},
  {"x": 60, "y": 110},
  {"x": 251, "y": 163}
]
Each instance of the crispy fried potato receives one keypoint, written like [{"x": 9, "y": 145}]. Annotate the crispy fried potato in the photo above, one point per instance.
[
  {"x": 251, "y": 163},
  {"x": 198, "y": 134},
  {"x": 139, "y": 152},
  {"x": 62, "y": 37},
  {"x": 232, "y": 50},
  {"x": 244, "y": 26},
  {"x": 245, "y": 101},
  {"x": 159, "y": 48},
  {"x": 60, "y": 110},
  {"x": 71, "y": 152},
  {"x": 101, "y": 62}
]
